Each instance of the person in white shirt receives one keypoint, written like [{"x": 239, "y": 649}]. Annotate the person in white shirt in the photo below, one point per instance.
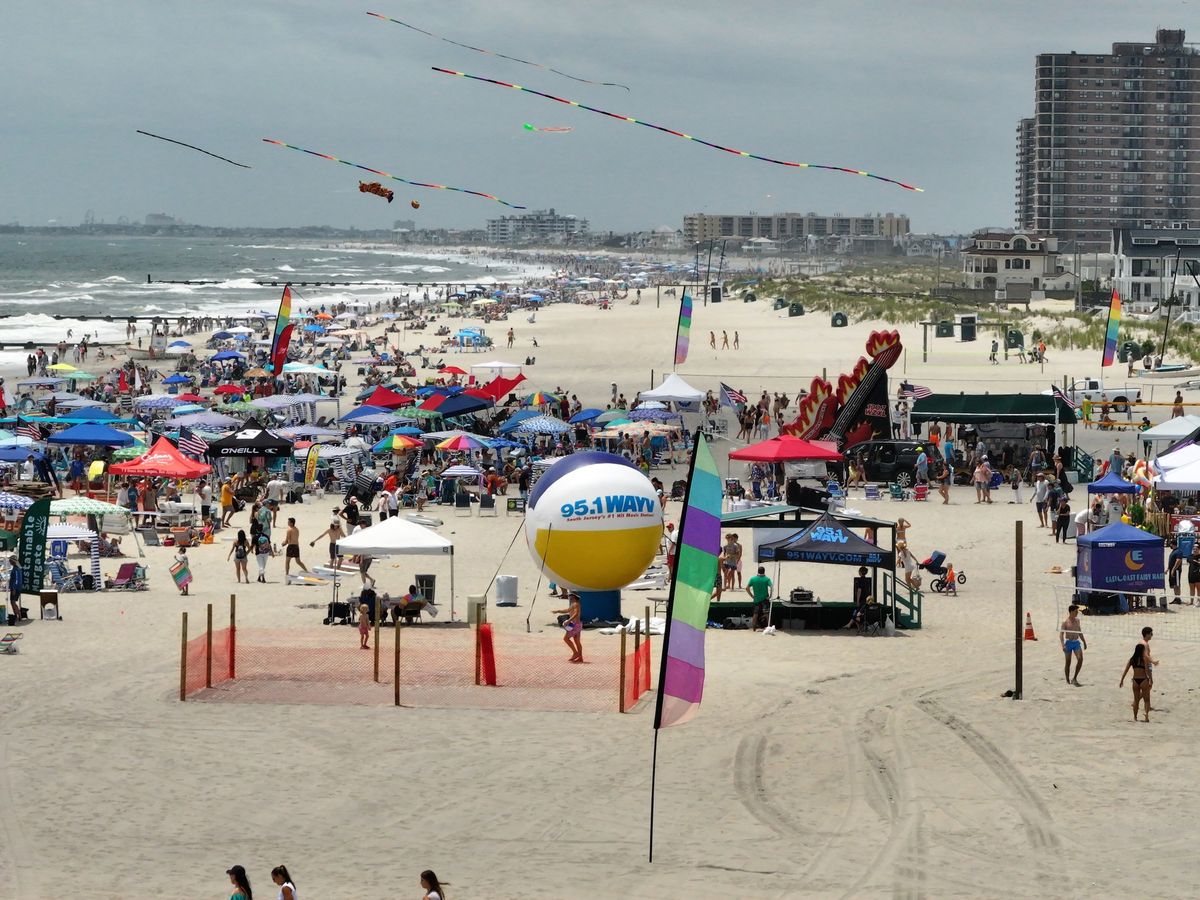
[
  {"x": 28, "y": 469},
  {"x": 393, "y": 500},
  {"x": 276, "y": 489},
  {"x": 287, "y": 888}
]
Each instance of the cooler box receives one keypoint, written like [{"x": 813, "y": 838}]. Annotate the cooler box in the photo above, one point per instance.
[{"x": 506, "y": 590}]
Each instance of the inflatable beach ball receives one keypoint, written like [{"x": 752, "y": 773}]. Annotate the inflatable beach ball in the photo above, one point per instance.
[{"x": 593, "y": 521}]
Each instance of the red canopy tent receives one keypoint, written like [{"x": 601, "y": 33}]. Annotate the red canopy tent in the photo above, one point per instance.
[
  {"x": 786, "y": 448},
  {"x": 498, "y": 387},
  {"x": 387, "y": 398},
  {"x": 162, "y": 460}
]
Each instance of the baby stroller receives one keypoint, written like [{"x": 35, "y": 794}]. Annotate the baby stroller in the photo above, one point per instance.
[{"x": 946, "y": 580}]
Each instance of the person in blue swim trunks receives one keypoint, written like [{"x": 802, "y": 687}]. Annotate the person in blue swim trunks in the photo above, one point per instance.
[{"x": 1070, "y": 637}]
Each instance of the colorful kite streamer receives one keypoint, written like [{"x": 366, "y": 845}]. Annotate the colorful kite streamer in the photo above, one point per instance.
[
  {"x": 439, "y": 187},
  {"x": 191, "y": 147},
  {"x": 551, "y": 129},
  {"x": 283, "y": 333},
  {"x": 681, "y": 680},
  {"x": 1114, "y": 326},
  {"x": 683, "y": 330},
  {"x": 604, "y": 112},
  {"x": 494, "y": 53}
]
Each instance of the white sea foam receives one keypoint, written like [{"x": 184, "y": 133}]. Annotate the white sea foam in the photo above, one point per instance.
[
  {"x": 116, "y": 279},
  {"x": 285, "y": 268}
]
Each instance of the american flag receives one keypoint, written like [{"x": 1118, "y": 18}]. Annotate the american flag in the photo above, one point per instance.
[
  {"x": 914, "y": 391},
  {"x": 1059, "y": 395},
  {"x": 731, "y": 396},
  {"x": 28, "y": 429},
  {"x": 190, "y": 443}
]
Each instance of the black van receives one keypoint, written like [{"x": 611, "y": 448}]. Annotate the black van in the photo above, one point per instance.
[{"x": 891, "y": 461}]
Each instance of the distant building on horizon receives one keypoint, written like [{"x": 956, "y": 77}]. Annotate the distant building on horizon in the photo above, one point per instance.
[
  {"x": 158, "y": 219},
  {"x": 1113, "y": 142},
  {"x": 792, "y": 229},
  {"x": 543, "y": 226}
]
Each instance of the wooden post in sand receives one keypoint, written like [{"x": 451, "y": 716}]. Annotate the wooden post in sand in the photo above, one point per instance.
[
  {"x": 208, "y": 650},
  {"x": 183, "y": 660},
  {"x": 1019, "y": 633},
  {"x": 396, "y": 662},
  {"x": 378, "y": 616},
  {"x": 621, "y": 670}
]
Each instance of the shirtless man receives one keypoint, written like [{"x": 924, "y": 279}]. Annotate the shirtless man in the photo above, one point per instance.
[
  {"x": 1073, "y": 643},
  {"x": 291, "y": 549}
]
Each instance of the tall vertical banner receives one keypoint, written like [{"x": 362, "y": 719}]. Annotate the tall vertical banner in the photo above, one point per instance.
[
  {"x": 283, "y": 332},
  {"x": 683, "y": 329},
  {"x": 1114, "y": 327},
  {"x": 310, "y": 464},
  {"x": 681, "y": 679},
  {"x": 31, "y": 545}
]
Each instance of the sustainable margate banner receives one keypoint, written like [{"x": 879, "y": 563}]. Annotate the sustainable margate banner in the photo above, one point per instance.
[
  {"x": 31, "y": 545},
  {"x": 1119, "y": 557}
]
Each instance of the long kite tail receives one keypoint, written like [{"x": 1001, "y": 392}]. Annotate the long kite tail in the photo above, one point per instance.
[
  {"x": 424, "y": 184},
  {"x": 193, "y": 147},
  {"x": 680, "y": 134},
  {"x": 487, "y": 52}
]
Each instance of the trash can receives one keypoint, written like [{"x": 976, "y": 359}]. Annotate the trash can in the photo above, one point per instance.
[
  {"x": 839, "y": 320},
  {"x": 714, "y": 294},
  {"x": 1130, "y": 350},
  {"x": 1014, "y": 339},
  {"x": 779, "y": 303},
  {"x": 506, "y": 590},
  {"x": 944, "y": 328},
  {"x": 796, "y": 308},
  {"x": 426, "y": 587},
  {"x": 749, "y": 297},
  {"x": 967, "y": 323}
]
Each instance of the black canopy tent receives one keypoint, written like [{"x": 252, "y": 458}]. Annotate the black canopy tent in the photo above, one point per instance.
[
  {"x": 827, "y": 541},
  {"x": 251, "y": 440}
]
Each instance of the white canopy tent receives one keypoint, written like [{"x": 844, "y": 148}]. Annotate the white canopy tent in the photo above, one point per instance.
[
  {"x": 1172, "y": 430},
  {"x": 1180, "y": 456},
  {"x": 673, "y": 390},
  {"x": 398, "y": 536},
  {"x": 497, "y": 366},
  {"x": 1183, "y": 478}
]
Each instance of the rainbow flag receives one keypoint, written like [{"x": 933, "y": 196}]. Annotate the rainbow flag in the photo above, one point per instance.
[
  {"x": 681, "y": 678},
  {"x": 683, "y": 330},
  {"x": 283, "y": 332},
  {"x": 1114, "y": 326}
]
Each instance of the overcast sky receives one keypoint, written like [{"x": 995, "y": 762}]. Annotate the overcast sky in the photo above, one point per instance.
[{"x": 926, "y": 92}]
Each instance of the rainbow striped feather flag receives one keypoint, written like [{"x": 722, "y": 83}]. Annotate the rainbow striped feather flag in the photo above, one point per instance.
[
  {"x": 1114, "y": 326},
  {"x": 681, "y": 678},
  {"x": 283, "y": 332},
  {"x": 683, "y": 330}
]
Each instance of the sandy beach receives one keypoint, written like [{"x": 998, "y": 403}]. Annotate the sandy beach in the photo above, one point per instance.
[{"x": 820, "y": 764}]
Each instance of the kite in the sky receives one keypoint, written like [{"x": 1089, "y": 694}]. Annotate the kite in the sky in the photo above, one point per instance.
[
  {"x": 663, "y": 128},
  {"x": 550, "y": 129},
  {"x": 425, "y": 184},
  {"x": 501, "y": 55},
  {"x": 191, "y": 147},
  {"x": 374, "y": 187}
]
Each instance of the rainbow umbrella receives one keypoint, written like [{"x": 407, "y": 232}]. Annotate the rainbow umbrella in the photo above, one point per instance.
[
  {"x": 461, "y": 442},
  {"x": 537, "y": 398},
  {"x": 396, "y": 443}
]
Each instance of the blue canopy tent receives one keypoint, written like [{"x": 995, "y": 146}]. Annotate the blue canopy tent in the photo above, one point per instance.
[
  {"x": 177, "y": 378},
  {"x": 359, "y": 411},
  {"x": 18, "y": 454},
  {"x": 91, "y": 433},
  {"x": 91, "y": 414},
  {"x": 1112, "y": 483},
  {"x": 1117, "y": 559}
]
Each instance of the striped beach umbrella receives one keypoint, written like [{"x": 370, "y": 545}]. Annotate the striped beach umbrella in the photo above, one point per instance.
[
  {"x": 462, "y": 442},
  {"x": 14, "y": 501},
  {"x": 537, "y": 398},
  {"x": 397, "y": 443}
]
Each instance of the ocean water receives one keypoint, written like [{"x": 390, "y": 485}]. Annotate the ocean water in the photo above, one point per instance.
[{"x": 44, "y": 276}]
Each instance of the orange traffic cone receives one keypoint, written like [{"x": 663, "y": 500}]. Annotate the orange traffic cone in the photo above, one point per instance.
[{"x": 1029, "y": 635}]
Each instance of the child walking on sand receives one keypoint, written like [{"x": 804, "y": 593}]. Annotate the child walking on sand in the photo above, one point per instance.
[
  {"x": 572, "y": 627},
  {"x": 364, "y": 625}
]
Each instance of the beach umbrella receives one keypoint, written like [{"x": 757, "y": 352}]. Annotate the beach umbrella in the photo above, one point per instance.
[
  {"x": 222, "y": 336},
  {"x": 345, "y": 317},
  {"x": 190, "y": 398},
  {"x": 315, "y": 329},
  {"x": 785, "y": 448},
  {"x": 157, "y": 401},
  {"x": 517, "y": 418},
  {"x": 584, "y": 415},
  {"x": 543, "y": 425},
  {"x": 610, "y": 415},
  {"x": 503, "y": 443},
  {"x": 396, "y": 443},
  {"x": 228, "y": 354},
  {"x": 462, "y": 442},
  {"x": 61, "y": 367},
  {"x": 229, "y": 389},
  {"x": 409, "y": 430},
  {"x": 537, "y": 398},
  {"x": 651, "y": 404},
  {"x": 177, "y": 378},
  {"x": 180, "y": 343},
  {"x": 187, "y": 408},
  {"x": 62, "y": 396},
  {"x": 323, "y": 316},
  {"x": 82, "y": 376},
  {"x": 85, "y": 506},
  {"x": 178, "y": 350},
  {"x": 451, "y": 370},
  {"x": 258, "y": 372},
  {"x": 652, "y": 415},
  {"x": 14, "y": 501},
  {"x": 240, "y": 329},
  {"x": 460, "y": 472}
]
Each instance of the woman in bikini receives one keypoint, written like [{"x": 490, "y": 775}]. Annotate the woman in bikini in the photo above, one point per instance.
[{"x": 1141, "y": 680}]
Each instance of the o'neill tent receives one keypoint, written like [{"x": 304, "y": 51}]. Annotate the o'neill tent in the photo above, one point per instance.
[
  {"x": 252, "y": 440},
  {"x": 400, "y": 537},
  {"x": 161, "y": 461}
]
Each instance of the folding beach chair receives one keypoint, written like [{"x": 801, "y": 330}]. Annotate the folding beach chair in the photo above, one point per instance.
[
  {"x": 897, "y": 492},
  {"x": 125, "y": 576},
  {"x": 8, "y": 643},
  {"x": 837, "y": 497},
  {"x": 920, "y": 491},
  {"x": 462, "y": 504},
  {"x": 872, "y": 492},
  {"x": 872, "y": 620},
  {"x": 487, "y": 505}
]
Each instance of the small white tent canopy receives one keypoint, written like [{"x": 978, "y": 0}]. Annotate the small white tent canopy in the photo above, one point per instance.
[
  {"x": 673, "y": 390},
  {"x": 1172, "y": 430},
  {"x": 1184, "y": 478},
  {"x": 398, "y": 536},
  {"x": 1180, "y": 456},
  {"x": 497, "y": 366}
]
